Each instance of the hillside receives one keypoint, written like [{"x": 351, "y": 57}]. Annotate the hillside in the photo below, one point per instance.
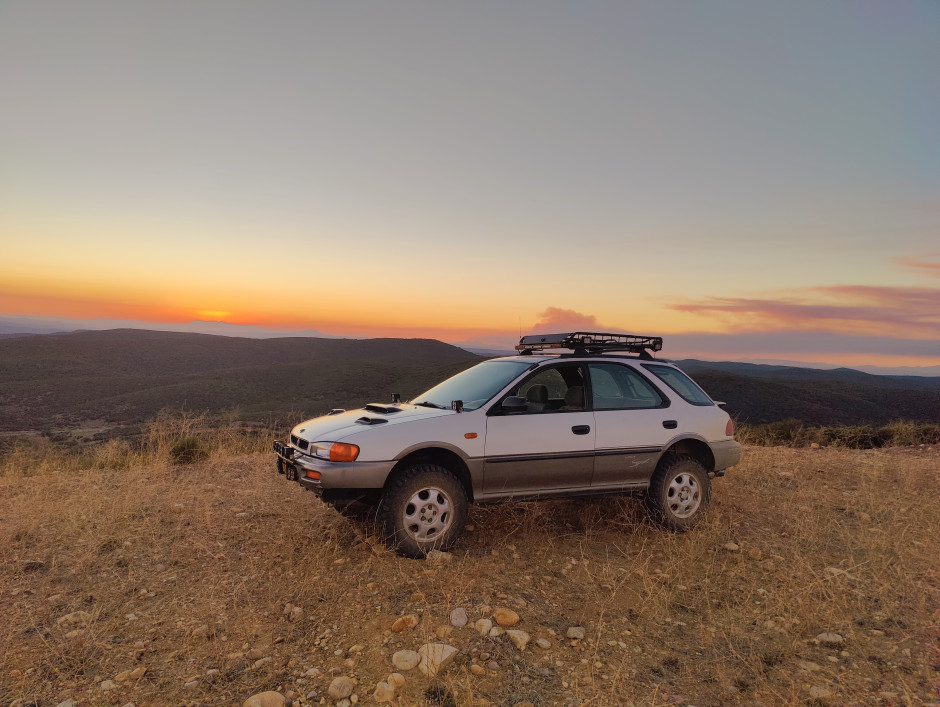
[
  {"x": 810, "y": 582},
  {"x": 758, "y": 394},
  {"x": 127, "y": 376},
  {"x": 90, "y": 384}
]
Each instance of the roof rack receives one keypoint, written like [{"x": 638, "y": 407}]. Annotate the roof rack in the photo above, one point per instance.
[{"x": 591, "y": 342}]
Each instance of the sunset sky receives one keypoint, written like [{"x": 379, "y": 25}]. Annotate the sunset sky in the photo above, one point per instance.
[{"x": 747, "y": 179}]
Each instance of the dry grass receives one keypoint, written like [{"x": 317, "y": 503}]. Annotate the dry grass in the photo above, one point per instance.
[{"x": 182, "y": 568}]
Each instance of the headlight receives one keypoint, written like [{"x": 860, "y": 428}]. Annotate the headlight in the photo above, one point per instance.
[{"x": 334, "y": 451}]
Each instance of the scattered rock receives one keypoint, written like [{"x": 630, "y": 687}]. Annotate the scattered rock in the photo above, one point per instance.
[
  {"x": 383, "y": 692},
  {"x": 496, "y": 631},
  {"x": 830, "y": 639},
  {"x": 435, "y": 558},
  {"x": 730, "y": 547},
  {"x": 296, "y": 614},
  {"x": 477, "y": 669},
  {"x": 203, "y": 632},
  {"x": 520, "y": 639},
  {"x": 443, "y": 631},
  {"x": 818, "y": 692},
  {"x": 341, "y": 688},
  {"x": 405, "y": 660},
  {"x": 809, "y": 666},
  {"x": 396, "y": 680},
  {"x": 312, "y": 672},
  {"x": 108, "y": 685},
  {"x": 755, "y": 553},
  {"x": 493, "y": 665},
  {"x": 254, "y": 654},
  {"x": 138, "y": 673},
  {"x": 814, "y": 445},
  {"x": 483, "y": 626},
  {"x": 67, "y": 703},
  {"x": 266, "y": 699},
  {"x": 261, "y": 661},
  {"x": 74, "y": 619},
  {"x": 191, "y": 684},
  {"x": 575, "y": 633},
  {"x": 543, "y": 643},
  {"x": 403, "y": 623},
  {"x": 435, "y": 657},
  {"x": 458, "y": 617},
  {"x": 505, "y": 617}
]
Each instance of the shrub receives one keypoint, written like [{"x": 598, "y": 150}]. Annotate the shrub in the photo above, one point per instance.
[{"x": 188, "y": 450}]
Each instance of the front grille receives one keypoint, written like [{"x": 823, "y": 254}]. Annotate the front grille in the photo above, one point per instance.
[{"x": 298, "y": 442}]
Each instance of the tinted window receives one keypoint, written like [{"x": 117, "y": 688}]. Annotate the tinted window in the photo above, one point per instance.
[
  {"x": 681, "y": 383},
  {"x": 617, "y": 387},
  {"x": 555, "y": 388}
]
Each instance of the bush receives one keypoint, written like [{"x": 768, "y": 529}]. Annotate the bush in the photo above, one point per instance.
[
  {"x": 188, "y": 450},
  {"x": 792, "y": 433}
]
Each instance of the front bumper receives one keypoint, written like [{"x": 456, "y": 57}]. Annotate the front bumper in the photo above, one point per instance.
[
  {"x": 727, "y": 453},
  {"x": 319, "y": 475}
]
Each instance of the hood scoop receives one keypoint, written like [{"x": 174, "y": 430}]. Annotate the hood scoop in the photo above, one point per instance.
[
  {"x": 382, "y": 409},
  {"x": 370, "y": 420}
]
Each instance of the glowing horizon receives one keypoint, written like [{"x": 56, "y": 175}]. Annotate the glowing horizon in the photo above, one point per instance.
[{"x": 619, "y": 167}]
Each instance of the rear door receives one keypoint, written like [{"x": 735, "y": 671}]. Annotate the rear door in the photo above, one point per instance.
[
  {"x": 548, "y": 446},
  {"x": 633, "y": 425}
]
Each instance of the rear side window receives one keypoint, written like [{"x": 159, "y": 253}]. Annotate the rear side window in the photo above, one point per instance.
[
  {"x": 681, "y": 383},
  {"x": 617, "y": 387}
]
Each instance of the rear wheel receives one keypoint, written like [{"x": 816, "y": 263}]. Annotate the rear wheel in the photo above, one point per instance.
[
  {"x": 423, "y": 509},
  {"x": 679, "y": 493}
]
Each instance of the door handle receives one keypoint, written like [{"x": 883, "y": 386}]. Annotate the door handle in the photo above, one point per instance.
[
  {"x": 670, "y": 424},
  {"x": 581, "y": 429}
]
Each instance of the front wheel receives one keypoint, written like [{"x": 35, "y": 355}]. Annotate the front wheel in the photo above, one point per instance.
[
  {"x": 679, "y": 493},
  {"x": 423, "y": 509}
]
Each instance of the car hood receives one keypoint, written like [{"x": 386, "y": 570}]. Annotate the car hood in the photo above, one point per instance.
[{"x": 331, "y": 428}]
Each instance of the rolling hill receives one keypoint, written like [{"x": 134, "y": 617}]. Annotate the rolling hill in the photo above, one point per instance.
[
  {"x": 759, "y": 394},
  {"x": 127, "y": 376},
  {"x": 123, "y": 377}
]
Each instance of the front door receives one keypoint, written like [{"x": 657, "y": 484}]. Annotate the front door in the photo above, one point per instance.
[{"x": 548, "y": 446}]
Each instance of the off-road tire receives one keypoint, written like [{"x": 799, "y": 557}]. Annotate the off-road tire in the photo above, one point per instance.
[
  {"x": 679, "y": 493},
  {"x": 422, "y": 509}
]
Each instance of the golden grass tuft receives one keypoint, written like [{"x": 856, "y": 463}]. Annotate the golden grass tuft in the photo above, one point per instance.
[{"x": 180, "y": 568}]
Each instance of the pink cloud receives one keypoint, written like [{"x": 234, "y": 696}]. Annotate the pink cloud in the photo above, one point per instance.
[
  {"x": 856, "y": 309},
  {"x": 554, "y": 318},
  {"x": 929, "y": 267}
]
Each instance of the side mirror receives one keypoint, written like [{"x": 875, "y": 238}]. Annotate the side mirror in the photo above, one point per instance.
[{"x": 514, "y": 403}]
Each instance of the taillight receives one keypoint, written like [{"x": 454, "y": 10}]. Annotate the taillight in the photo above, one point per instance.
[{"x": 729, "y": 428}]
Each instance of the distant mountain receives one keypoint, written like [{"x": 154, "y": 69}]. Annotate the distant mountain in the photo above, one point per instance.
[
  {"x": 18, "y": 325},
  {"x": 127, "y": 376},
  {"x": 757, "y": 393}
]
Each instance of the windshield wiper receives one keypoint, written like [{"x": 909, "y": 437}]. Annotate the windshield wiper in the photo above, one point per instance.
[{"x": 429, "y": 404}]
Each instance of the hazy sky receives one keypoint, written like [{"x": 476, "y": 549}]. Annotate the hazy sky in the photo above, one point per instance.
[{"x": 762, "y": 173}]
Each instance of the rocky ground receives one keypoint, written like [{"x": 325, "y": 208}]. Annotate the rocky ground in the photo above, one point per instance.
[{"x": 814, "y": 580}]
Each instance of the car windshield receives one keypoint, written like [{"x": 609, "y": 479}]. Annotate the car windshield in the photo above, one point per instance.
[{"x": 474, "y": 386}]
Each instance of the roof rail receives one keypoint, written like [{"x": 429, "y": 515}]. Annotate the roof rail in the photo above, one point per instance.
[{"x": 591, "y": 342}]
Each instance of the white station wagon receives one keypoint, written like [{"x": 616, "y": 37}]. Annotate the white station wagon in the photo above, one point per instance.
[{"x": 573, "y": 414}]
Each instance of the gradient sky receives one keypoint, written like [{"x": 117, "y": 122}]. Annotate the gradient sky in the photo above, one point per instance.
[{"x": 754, "y": 178}]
